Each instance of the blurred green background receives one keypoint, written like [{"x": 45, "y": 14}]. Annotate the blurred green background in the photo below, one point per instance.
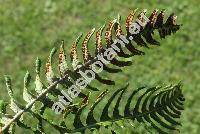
[{"x": 30, "y": 28}]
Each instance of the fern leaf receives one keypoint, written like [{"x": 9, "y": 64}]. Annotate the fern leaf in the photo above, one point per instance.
[
  {"x": 160, "y": 109},
  {"x": 147, "y": 108}
]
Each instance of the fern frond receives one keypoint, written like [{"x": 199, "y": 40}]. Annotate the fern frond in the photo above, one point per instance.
[
  {"x": 155, "y": 105},
  {"x": 152, "y": 105}
]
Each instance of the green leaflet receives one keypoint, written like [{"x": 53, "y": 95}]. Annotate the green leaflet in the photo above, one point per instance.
[
  {"x": 26, "y": 94},
  {"x": 38, "y": 83},
  {"x": 13, "y": 104}
]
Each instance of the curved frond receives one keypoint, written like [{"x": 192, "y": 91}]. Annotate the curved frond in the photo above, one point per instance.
[{"x": 161, "y": 109}]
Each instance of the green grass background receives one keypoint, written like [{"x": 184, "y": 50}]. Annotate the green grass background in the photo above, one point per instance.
[{"x": 30, "y": 28}]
